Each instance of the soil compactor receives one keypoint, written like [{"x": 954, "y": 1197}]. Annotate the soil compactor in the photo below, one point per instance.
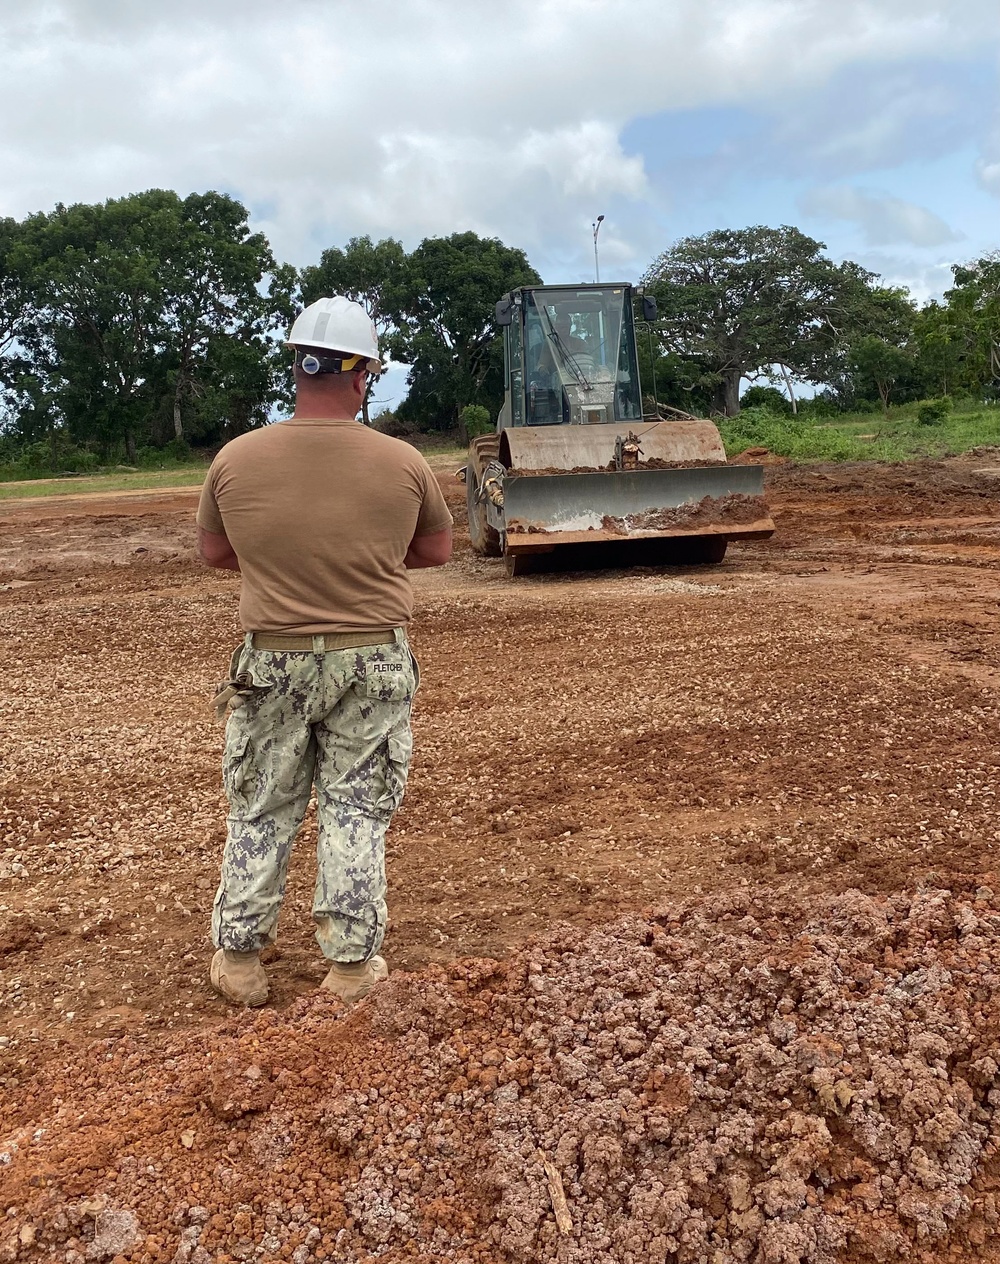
[{"x": 574, "y": 467}]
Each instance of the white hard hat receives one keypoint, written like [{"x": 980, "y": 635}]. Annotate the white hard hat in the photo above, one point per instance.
[{"x": 337, "y": 324}]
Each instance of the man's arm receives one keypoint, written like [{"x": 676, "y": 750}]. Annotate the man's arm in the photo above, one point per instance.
[
  {"x": 427, "y": 550},
  {"x": 215, "y": 550}
]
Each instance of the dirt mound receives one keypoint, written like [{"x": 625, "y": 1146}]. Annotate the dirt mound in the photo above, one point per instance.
[
  {"x": 953, "y": 485},
  {"x": 712, "y": 1082},
  {"x": 758, "y": 456},
  {"x": 709, "y": 511}
]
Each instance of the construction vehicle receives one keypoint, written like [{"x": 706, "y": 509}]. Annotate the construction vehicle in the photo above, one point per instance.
[{"x": 574, "y": 464}]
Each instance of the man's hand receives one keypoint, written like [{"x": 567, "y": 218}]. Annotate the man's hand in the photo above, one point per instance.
[
  {"x": 215, "y": 550},
  {"x": 428, "y": 550}
]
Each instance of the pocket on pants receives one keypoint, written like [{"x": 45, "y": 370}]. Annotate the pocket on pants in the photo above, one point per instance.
[
  {"x": 391, "y": 680},
  {"x": 396, "y": 768},
  {"x": 237, "y": 763}
]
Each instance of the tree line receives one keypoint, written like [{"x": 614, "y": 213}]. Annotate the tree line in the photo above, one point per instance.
[
  {"x": 766, "y": 304},
  {"x": 154, "y": 322}
]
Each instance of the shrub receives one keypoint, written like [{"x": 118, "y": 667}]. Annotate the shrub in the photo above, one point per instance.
[
  {"x": 768, "y": 397},
  {"x": 177, "y": 450},
  {"x": 821, "y": 405},
  {"x": 36, "y": 460},
  {"x": 752, "y": 428},
  {"x": 934, "y": 411},
  {"x": 396, "y": 427},
  {"x": 475, "y": 420}
]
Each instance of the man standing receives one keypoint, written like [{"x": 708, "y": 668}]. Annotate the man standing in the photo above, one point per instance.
[{"x": 323, "y": 517}]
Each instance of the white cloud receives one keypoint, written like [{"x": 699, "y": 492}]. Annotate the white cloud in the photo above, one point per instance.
[
  {"x": 883, "y": 220},
  {"x": 924, "y": 282},
  {"x": 988, "y": 166},
  {"x": 414, "y": 116}
]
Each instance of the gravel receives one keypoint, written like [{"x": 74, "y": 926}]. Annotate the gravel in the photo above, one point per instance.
[{"x": 714, "y": 1081}]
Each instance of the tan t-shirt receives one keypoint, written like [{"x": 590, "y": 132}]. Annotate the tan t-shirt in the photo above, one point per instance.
[{"x": 320, "y": 515}]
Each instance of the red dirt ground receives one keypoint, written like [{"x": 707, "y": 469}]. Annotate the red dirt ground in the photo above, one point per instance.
[{"x": 817, "y": 716}]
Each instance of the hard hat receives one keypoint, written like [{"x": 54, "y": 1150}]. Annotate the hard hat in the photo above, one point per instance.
[{"x": 337, "y": 324}]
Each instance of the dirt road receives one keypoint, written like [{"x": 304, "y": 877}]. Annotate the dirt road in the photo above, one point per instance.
[{"x": 818, "y": 714}]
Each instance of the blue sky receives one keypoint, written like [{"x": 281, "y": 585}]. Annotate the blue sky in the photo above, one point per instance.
[
  {"x": 872, "y": 125},
  {"x": 880, "y": 163}
]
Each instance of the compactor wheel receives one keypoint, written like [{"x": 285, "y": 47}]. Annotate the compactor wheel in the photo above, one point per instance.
[
  {"x": 485, "y": 539},
  {"x": 523, "y": 563},
  {"x": 709, "y": 550}
]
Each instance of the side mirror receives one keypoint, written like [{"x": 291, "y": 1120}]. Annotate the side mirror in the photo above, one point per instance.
[
  {"x": 505, "y": 312},
  {"x": 648, "y": 307}
]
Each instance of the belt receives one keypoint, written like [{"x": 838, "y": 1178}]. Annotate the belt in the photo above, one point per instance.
[{"x": 319, "y": 643}]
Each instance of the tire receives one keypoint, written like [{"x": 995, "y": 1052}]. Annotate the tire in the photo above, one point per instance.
[
  {"x": 710, "y": 550},
  {"x": 524, "y": 563},
  {"x": 484, "y": 538}
]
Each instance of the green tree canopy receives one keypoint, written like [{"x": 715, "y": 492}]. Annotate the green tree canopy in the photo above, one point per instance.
[
  {"x": 971, "y": 329},
  {"x": 98, "y": 293},
  {"x": 446, "y": 327},
  {"x": 134, "y": 303},
  {"x": 372, "y": 274},
  {"x": 879, "y": 362},
  {"x": 15, "y": 285},
  {"x": 211, "y": 272},
  {"x": 741, "y": 301}
]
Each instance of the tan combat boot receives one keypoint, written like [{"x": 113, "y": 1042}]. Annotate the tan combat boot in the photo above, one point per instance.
[
  {"x": 352, "y": 980},
  {"x": 239, "y": 977}
]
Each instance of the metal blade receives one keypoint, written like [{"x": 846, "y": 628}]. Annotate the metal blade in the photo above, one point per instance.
[{"x": 545, "y": 510}]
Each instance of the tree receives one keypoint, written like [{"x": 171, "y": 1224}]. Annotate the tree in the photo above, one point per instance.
[
  {"x": 742, "y": 301},
  {"x": 973, "y": 324},
  {"x": 148, "y": 309},
  {"x": 672, "y": 380},
  {"x": 211, "y": 271},
  {"x": 878, "y": 361},
  {"x": 942, "y": 349},
  {"x": 98, "y": 294},
  {"x": 16, "y": 304},
  {"x": 374, "y": 275},
  {"x": 875, "y": 346},
  {"x": 17, "y": 309},
  {"x": 446, "y": 327}
]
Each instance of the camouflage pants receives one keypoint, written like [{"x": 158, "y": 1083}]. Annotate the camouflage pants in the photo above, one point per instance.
[{"x": 341, "y": 719}]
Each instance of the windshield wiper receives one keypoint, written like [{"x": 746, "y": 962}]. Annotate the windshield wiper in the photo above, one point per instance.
[{"x": 567, "y": 357}]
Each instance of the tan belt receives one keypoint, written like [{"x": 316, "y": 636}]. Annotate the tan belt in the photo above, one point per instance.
[{"x": 319, "y": 643}]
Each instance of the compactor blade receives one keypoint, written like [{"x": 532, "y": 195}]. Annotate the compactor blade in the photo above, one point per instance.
[{"x": 544, "y": 511}]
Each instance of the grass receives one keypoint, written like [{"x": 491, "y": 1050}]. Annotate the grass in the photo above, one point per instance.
[
  {"x": 864, "y": 436},
  {"x": 849, "y": 437},
  {"x": 139, "y": 480},
  {"x": 441, "y": 454}
]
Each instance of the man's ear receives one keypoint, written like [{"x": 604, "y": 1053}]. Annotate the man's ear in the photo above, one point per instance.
[{"x": 360, "y": 382}]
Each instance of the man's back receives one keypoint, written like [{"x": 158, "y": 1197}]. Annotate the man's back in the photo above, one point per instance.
[{"x": 320, "y": 515}]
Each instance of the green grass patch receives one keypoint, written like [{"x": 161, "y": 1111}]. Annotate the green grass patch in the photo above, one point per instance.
[
  {"x": 900, "y": 436},
  {"x": 119, "y": 481}
]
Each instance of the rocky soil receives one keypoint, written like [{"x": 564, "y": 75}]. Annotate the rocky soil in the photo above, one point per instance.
[{"x": 694, "y": 911}]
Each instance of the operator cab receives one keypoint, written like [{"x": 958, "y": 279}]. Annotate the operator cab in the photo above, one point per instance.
[{"x": 569, "y": 356}]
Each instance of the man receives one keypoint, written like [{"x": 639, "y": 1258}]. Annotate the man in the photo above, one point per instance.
[{"x": 323, "y": 518}]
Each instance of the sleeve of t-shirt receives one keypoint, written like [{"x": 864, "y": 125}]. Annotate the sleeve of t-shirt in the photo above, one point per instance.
[
  {"x": 209, "y": 518},
  {"x": 434, "y": 515}
]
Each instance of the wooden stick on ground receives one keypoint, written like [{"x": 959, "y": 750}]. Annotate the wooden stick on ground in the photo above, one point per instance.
[{"x": 564, "y": 1221}]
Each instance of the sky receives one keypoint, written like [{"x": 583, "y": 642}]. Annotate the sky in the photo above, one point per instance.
[{"x": 872, "y": 125}]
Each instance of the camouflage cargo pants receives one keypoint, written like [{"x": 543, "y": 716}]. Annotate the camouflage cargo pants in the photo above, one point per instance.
[{"x": 339, "y": 719}]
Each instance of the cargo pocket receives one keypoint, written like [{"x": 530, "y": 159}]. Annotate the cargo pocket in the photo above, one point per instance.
[
  {"x": 396, "y": 766},
  {"x": 391, "y": 680},
  {"x": 237, "y": 765}
]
